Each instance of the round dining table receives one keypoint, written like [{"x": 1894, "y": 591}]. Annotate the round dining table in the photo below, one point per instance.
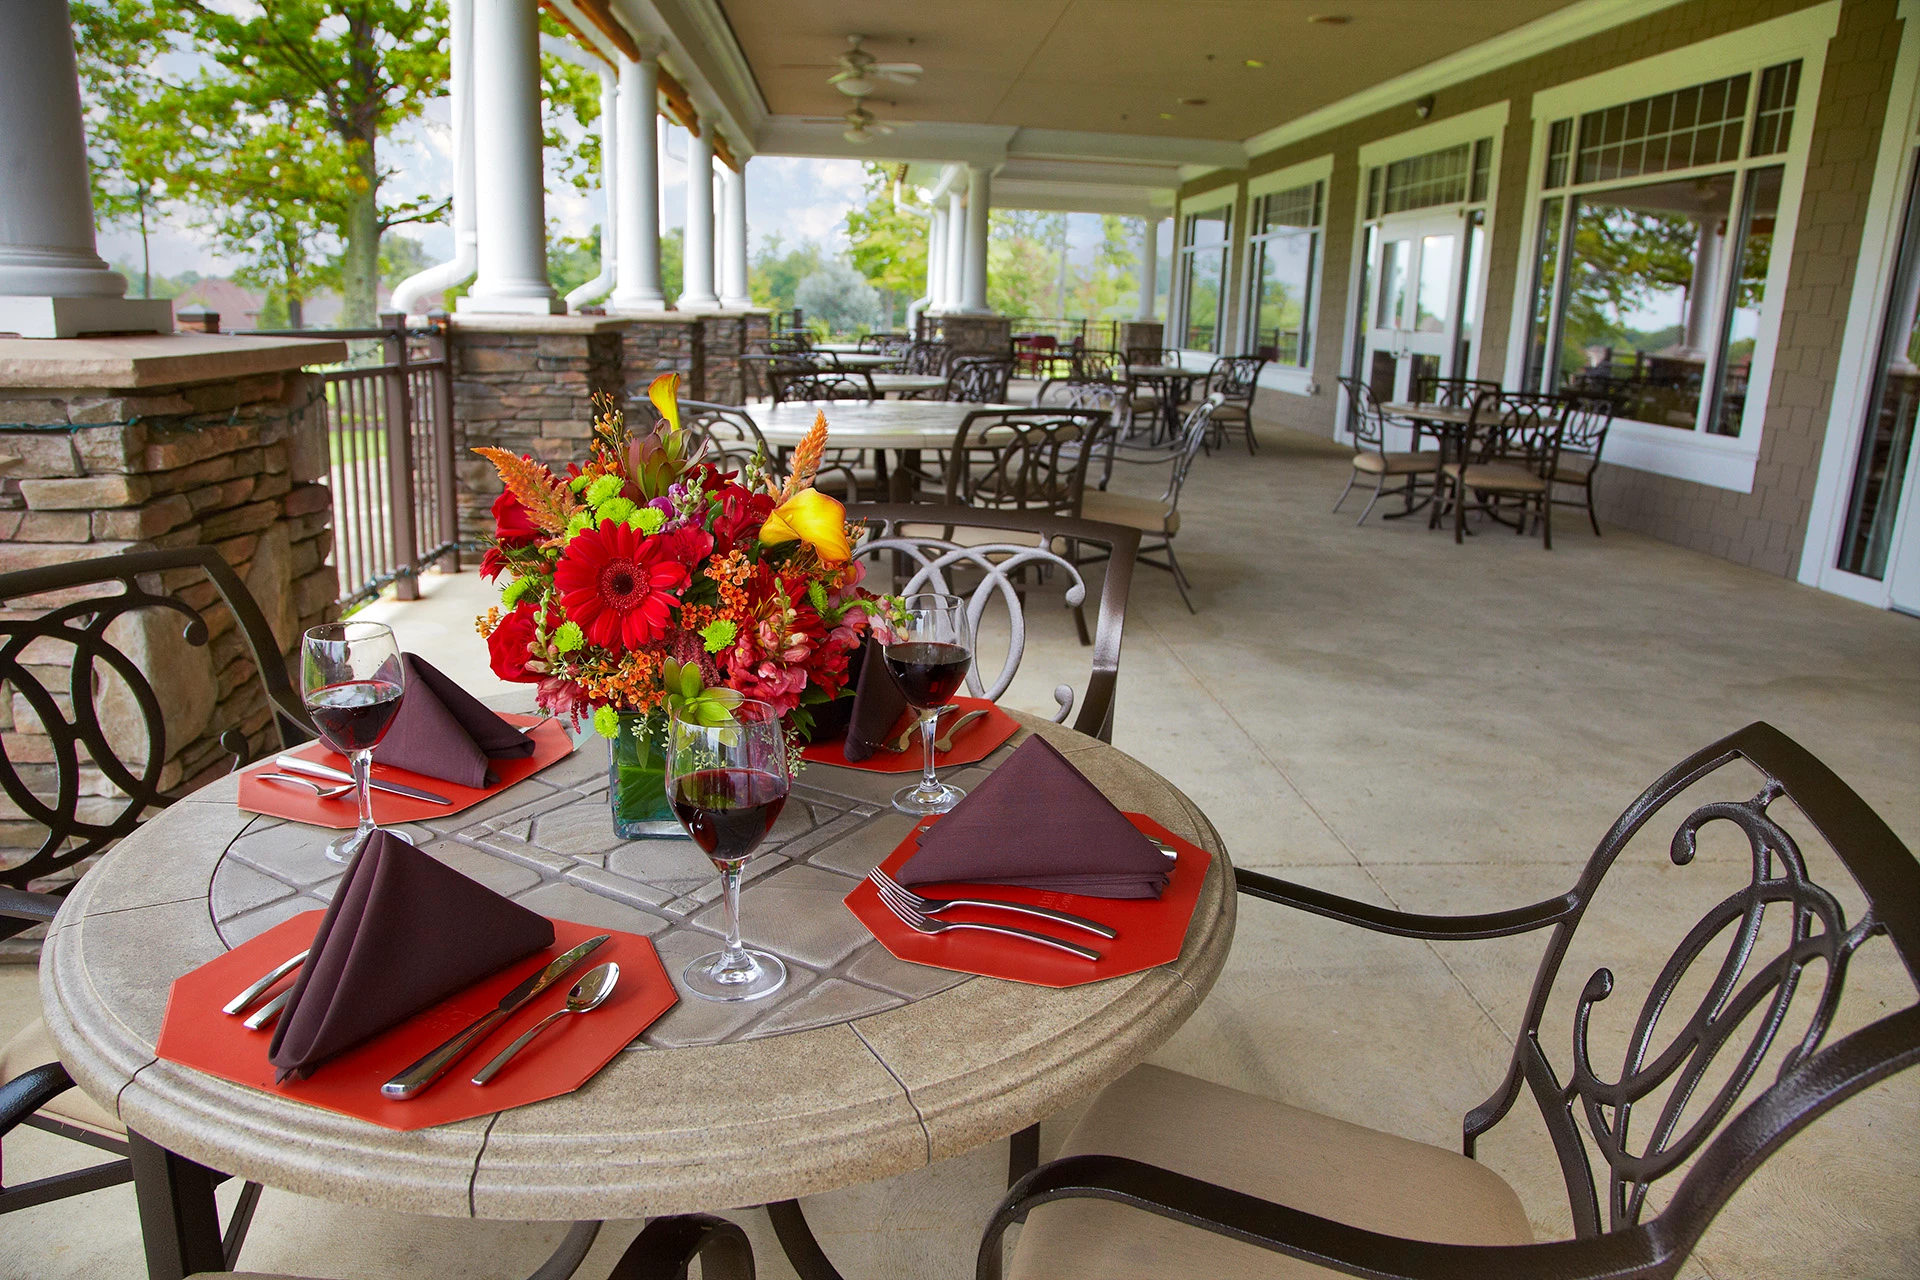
[
  {"x": 860, "y": 359},
  {"x": 863, "y": 1067}
]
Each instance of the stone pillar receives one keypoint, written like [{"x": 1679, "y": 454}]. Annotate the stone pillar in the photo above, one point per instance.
[
  {"x": 637, "y": 207},
  {"x": 53, "y": 283},
  {"x": 509, "y": 171},
  {"x": 670, "y": 343},
  {"x": 697, "y": 271},
  {"x": 733, "y": 242},
  {"x": 132, "y": 444},
  {"x": 977, "y": 335},
  {"x": 973, "y": 299},
  {"x": 1149, "y": 268},
  {"x": 1141, "y": 333},
  {"x": 956, "y": 250}
]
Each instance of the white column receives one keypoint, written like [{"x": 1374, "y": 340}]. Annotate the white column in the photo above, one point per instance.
[
  {"x": 698, "y": 295},
  {"x": 937, "y": 261},
  {"x": 956, "y": 250},
  {"x": 1149, "y": 268},
  {"x": 979, "y": 202},
  {"x": 509, "y": 172},
  {"x": 53, "y": 283},
  {"x": 733, "y": 240},
  {"x": 637, "y": 208}
]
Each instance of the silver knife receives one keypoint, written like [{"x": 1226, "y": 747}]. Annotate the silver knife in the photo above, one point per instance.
[
  {"x": 415, "y": 1079},
  {"x": 295, "y": 764},
  {"x": 239, "y": 1003}
]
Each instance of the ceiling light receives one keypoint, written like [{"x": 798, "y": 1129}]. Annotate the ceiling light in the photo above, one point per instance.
[
  {"x": 1255, "y": 63},
  {"x": 1193, "y": 102},
  {"x": 1331, "y": 19},
  {"x": 855, "y": 86}
]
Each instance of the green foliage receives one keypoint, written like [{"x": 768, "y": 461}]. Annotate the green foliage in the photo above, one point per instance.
[
  {"x": 263, "y": 122},
  {"x": 1023, "y": 261},
  {"x": 838, "y": 298},
  {"x": 572, "y": 260},
  {"x": 774, "y": 276},
  {"x": 887, "y": 246},
  {"x": 400, "y": 257},
  {"x": 673, "y": 260},
  {"x": 569, "y": 110}
]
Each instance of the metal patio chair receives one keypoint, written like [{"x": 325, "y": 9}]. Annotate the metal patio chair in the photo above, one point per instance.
[
  {"x": 945, "y": 548},
  {"x": 1024, "y": 459},
  {"x": 1371, "y": 458},
  {"x": 733, "y": 440},
  {"x": 1508, "y": 458},
  {"x": 1157, "y": 519},
  {"x": 978, "y": 379},
  {"x": 1583, "y": 437},
  {"x": 1171, "y": 1175},
  {"x": 1234, "y": 379}
]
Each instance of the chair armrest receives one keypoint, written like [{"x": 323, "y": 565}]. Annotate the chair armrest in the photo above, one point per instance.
[
  {"x": 29, "y": 1091},
  {"x": 37, "y": 908},
  {"x": 1493, "y": 924},
  {"x": 1308, "y": 1236},
  {"x": 669, "y": 1245}
]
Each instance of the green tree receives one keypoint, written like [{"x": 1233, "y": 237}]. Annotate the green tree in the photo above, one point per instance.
[
  {"x": 1023, "y": 261},
  {"x": 887, "y": 246},
  {"x": 774, "y": 276},
  {"x": 270, "y": 121},
  {"x": 130, "y": 166}
]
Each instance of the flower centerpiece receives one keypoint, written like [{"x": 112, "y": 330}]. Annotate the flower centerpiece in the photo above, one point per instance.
[{"x": 645, "y": 579}]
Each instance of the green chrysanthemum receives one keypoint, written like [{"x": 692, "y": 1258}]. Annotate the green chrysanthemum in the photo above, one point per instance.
[
  {"x": 647, "y": 520},
  {"x": 569, "y": 637},
  {"x": 617, "y": 509},
  {"x": 511, "y": 593},
  {"x": 719, "y": 635},
  {"x": 606, "y": 722},
  {"x": 604, "y": 489}
]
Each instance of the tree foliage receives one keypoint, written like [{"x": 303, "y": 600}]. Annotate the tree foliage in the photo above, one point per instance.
[
  {"x": 838, "y": 297},
  {"x": 884, "y": 244},
  {"x": 775, "y": 274}
]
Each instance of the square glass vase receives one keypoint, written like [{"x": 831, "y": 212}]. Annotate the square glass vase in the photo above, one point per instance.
[{"x": 637, "y": 782}]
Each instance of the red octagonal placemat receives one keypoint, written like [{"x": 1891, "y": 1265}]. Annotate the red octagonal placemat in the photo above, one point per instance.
[
  {"x": 975, "y": 743},
  {"x": 551, "y": 742},
  {"x": 196, "y": 1034},
  {"x": 1151, "y": 930}
]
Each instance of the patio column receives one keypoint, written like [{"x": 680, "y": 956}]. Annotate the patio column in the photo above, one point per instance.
[
  {"x": 53, "y": 283},
  {"x": 956, "y": 250},
  {"x": 698, "y": 269},
  {"x": 1149, "y": 268},
  {"x": 637, "y": 208},
  {"x": 937, "y": 261},
  {"x": 733, "y": 244},
  {"x": 1698, "y": 333},
  {"x": 509, "y": 173},
  {"x": 979, "y": 202}
]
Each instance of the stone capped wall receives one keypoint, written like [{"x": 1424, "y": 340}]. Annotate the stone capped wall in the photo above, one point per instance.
[{"x": 89, "y": 472}]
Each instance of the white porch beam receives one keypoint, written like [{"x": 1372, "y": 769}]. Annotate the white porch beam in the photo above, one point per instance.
[
  {"x": 733, "y": 240},
  {"x": 511, "y": 217},
  {"x": 637, "y": 207},
  {"x": 53, "y": 283},
  {"x": 697, "y": 267}
]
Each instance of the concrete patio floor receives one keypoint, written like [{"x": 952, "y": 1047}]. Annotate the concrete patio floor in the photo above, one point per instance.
[{"x": 1380, "y": 713}]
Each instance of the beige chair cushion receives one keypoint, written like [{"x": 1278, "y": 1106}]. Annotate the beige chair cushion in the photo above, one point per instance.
[
  {"x": 33, "y": 1047},
  {"x": 1311, "y": 1162},
  {"x": 1503, "y": 476},
  {"x": 1395, "y": 464},
  {"x": 1575, "y": 472},
  {"x": 1149, "y": 515}
]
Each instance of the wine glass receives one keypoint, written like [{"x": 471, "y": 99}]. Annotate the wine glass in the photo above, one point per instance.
[
  {"x": 353, "y": 681},
  {"x": 728, "y": 783},
  {"x": 928, "y": 653}
]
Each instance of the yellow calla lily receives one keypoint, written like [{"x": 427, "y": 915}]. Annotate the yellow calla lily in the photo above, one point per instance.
[
  {"x": 664, "y": 391},
  {"x": 816, "y": 520}
]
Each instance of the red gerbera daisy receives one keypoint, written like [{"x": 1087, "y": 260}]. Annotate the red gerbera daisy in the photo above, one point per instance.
[{"x": 618, "y": 586}]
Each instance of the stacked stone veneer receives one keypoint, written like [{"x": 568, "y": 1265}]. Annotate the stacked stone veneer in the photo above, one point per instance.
[
  {"x": 235, "y": 465},
  {"x": 527, "y": 383}
]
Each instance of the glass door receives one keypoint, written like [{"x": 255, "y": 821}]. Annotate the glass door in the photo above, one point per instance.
[{"x": 1414, "y": 314}]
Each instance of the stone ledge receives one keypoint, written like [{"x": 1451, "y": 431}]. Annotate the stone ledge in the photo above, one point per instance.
[
  {"x": 506, "y": 323},
  {"x": 155, "y": 360}
]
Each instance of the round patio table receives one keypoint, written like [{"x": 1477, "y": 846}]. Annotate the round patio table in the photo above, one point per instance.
[
  {"x": 860, "y": 359},
  {"x": 1171, "y": 382},
  {"x": 867, "y": 424},
  {"x": 863, "y": 1067},
  {"x": 902, "y": 383}
]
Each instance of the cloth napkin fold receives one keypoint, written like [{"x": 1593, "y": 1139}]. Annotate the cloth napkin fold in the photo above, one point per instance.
[
  {"x": 1037, "y": 822},
  {"x": 877, "y": 705},
  {"x": 404, "y": 931},
  {"x": 445, "y": 732}
]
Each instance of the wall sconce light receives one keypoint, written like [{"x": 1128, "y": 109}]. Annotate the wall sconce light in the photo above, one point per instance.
[{"x": 1423, "y": 107}]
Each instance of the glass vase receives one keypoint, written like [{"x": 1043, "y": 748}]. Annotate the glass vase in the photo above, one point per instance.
[{"x": 637, "y": 782}]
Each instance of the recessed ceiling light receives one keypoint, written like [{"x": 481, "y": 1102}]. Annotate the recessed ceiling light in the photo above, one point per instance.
[
  {"x": 1193, "y": 102},
  {"x": 1255, "y": 62},
  {"x": 1331, "y": 19}
]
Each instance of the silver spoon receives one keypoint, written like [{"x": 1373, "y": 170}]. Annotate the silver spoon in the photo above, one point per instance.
[
  {"x": 587, "y": 995},
  {"x": 325, "y": 793}
]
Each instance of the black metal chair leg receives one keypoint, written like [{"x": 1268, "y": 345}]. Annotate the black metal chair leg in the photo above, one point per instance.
[
  {"x": 237, "y": 1224},
  {"x": 178, "y": 1218},
  {"x": 668, "y": 1247},
  {"x": 1377, "y": 486},
  {"x": 1351, "y": 477},
  {"x": 1592, "y": 518},
  {"x": 1023, "y": 1148},
  {"x": 797, "y": 1242}
]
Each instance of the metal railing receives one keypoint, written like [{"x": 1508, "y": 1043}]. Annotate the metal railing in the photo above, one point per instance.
[
  {"x": 390, "y": 456},
  {"x": 1094, "y": 335}
]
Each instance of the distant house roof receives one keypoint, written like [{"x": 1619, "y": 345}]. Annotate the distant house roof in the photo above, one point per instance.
[{"x": 239, "y": 308}]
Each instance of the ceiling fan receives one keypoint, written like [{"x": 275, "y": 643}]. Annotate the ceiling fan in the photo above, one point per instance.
[{"x": 859, "y": 73}]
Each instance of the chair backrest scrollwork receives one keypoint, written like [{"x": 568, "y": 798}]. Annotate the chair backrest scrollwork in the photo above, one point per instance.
[
  {"x": 1369, "y": 420},
  {"x": 819, "y": 384},
  {"x": 1024, "y": 459},
  {"x": 979, "y": 379},
  {"x": 731, "y": 438}
]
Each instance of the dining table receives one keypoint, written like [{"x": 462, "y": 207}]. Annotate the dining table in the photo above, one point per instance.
[
  {"x": 886, "y": 384},
  {"x": 900, "y": 427},
  {"x": 862, "y": 1067},
  {"x": 1172, "y": 385},
  {"x": 859, "y": 360},
  {"x": 1449, "y": 425}
]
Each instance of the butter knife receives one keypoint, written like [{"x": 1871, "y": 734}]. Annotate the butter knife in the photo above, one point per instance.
[
  {"x": 294, "y": 764},
  {"x": 415, "y": 1079}
]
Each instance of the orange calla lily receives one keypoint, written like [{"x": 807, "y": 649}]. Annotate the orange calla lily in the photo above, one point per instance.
[
  {"x": 816, "y": 520},
  {"x": 664, "y": 391}
]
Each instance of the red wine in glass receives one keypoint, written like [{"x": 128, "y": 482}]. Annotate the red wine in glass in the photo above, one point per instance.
[
  {"x": 728, "y": 812},
  {"x": 354, "y": 715},
  {"x": 927, "y": 672}
]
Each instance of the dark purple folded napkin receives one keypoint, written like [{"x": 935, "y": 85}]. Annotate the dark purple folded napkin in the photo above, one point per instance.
[
  {"x": 1037, "y": 822},
  {"x": 877, "y": 705},
  {"x": 404, "y": 931},
  {"x": 445, "y": 732}
]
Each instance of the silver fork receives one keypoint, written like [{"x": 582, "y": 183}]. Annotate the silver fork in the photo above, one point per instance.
[
  {"x": 934, "y": 906},
  {"x": 239, "y": 1003},
  {"x": 920, "y": 923},
  {"x": 324, "y": 792}
]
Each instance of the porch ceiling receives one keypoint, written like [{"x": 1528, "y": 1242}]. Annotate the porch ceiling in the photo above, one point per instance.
[{"x": 1109, "y": 66}]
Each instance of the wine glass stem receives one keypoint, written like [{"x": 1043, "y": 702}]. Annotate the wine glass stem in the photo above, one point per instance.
[
  {"x": 363, "y": 788},
  {"x": 732, "y": 958},
  {"x": 929, "y": 726}
]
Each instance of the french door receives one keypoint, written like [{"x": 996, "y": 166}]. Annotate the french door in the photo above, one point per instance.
[{"x": 1414, "y": 313}]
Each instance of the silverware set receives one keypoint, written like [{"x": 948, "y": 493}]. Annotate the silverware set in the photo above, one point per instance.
[
  {"x": 953, "y": 725},
  {"x": 917, "y": 913},
  {"x": 269, "y": 1013},
  {"x": 290, "y": 764}
]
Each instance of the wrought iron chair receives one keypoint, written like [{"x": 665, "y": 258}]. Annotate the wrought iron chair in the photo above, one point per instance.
[
  {"x": 1371, "y": 458},
  {"x": 885, "y": 344},
  {"x": 1143, "y": 396},
  {"x": 1093, "y": 362},
  {"x": 1581, "y": 440},
  {"x": 932, "y": 547},
  {"x": 1223, "y": 1175},
  {"x": 978, "y": 379},
  {"x": 791, "y": 384},
  {"x": 83, "y": 636},
  {"x": 1234, "y": 379},
  {"x": 1450, "y": 393},
  {"x": 733, "y": 440},
  {"x": 1510, "y": 453},
  {"x": 1158, "y": 519}
]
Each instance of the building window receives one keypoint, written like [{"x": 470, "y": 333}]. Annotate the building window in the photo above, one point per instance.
[
  {"x": 1879, "y": 470},
  {"x": 1283, "y": 251},
  {"x": 1652, "y": 294},
  {"x": 1203, "y": 259}
]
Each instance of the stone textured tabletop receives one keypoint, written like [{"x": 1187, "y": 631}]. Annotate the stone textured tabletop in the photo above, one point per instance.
[
  {"x": 863, "y": 1067},
  {"x": 868, "y": 424}
]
